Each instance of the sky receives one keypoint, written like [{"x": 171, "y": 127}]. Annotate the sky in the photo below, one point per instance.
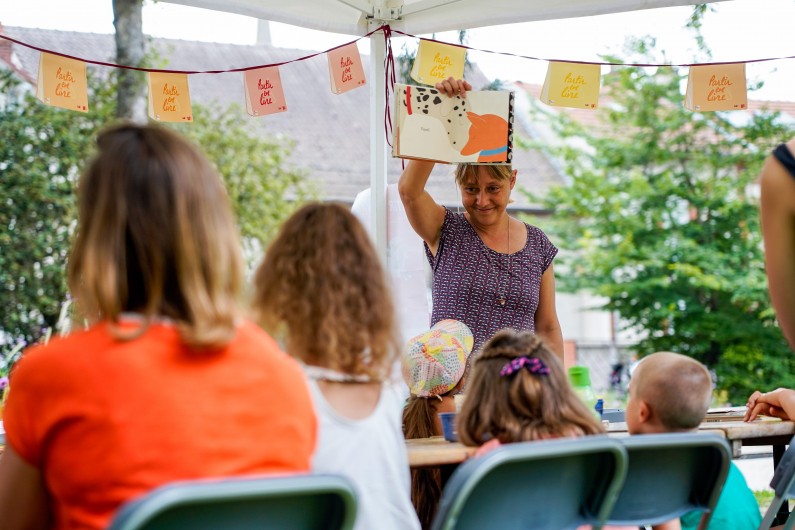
[{"x": 736, "y": 30}]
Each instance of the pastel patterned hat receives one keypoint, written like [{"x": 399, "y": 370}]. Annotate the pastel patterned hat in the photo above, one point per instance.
[{"x": 436, "y": 360}]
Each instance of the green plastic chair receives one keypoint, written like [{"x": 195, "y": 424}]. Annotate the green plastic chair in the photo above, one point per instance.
[
  {"x": 555, "y": 485},
  {"x": 783, "y": 485},
  {"x": 669, "y": 475},
  {"x": 299, "y": 502}
]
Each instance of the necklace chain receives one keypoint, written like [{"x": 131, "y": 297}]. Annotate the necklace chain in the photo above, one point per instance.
[{"x": 503, "y": 292}]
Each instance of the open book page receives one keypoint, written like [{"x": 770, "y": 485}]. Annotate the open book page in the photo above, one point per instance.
[{"x": 430, "y": 125}]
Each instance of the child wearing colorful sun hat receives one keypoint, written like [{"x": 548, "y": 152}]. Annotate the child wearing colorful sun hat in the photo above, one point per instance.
[{"x": 434, "y": 365}]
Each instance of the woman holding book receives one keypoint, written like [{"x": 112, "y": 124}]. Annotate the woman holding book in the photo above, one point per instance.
[{"x": 490, "y": 270}]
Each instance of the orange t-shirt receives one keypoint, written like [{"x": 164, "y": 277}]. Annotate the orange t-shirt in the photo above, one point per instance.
[{"x": 107, "y": 420}]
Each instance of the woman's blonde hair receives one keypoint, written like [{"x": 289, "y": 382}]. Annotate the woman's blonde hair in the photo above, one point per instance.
[
  {"x": 521, "y": 406},
  {"x": 322, "y": 285},
  {"x": 464, "y": 172},
  {"x": 156, "y": 236}
]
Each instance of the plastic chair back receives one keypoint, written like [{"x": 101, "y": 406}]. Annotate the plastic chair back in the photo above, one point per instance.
[
  {"x": 783, "y": 485},
  {"x": 556, "y": 485},
  {"x": 669, "y": 475},
  {"x": 299, "y": 502}
]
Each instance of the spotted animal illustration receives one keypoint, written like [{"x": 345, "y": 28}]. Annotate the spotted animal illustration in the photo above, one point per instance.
[
  {"x": 469, "y": 133},
  {"x": 431, "y": 102}
]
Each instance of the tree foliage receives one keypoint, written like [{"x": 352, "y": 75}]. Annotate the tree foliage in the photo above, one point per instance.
[
  {"x": 43, "y": 149},
  {"x": 661, "y": 218}
]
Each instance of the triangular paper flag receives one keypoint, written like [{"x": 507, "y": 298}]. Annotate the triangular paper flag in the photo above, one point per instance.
[
  {"x": 264, "y": 93},
  {"x": 345, "y": 68},
  {"x": 716, "y": 87},
  {"x": 572, "y": 85},
  {"x": 169, "y": 97},
  {"x": 436, "y": 62},
  {"x": 62, "y": 82}
]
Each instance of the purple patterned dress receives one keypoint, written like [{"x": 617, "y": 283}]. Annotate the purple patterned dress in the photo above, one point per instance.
[{"x": 485, "y": 289}]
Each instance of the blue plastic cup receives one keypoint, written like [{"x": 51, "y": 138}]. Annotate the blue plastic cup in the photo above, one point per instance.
[{"x": 448, "y": 426}]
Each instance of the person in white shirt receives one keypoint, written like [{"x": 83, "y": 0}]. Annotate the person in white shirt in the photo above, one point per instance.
[{"x": 323, "y": 289}]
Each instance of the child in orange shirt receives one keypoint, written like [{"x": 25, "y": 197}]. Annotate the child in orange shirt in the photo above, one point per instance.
[{"x": 168, "y": 382}]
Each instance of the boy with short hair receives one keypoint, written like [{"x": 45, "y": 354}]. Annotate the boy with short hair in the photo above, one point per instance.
[{"x": 670, "y": 392}]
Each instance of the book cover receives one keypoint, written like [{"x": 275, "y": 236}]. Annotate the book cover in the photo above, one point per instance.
[
  {"x": 574, "y": 85},
  {"x": 429, "y": 125},
  {"x": 263, "y": 90},
  {"x": 716, "y": 87},
  {"x": 169, "y": 97},
  {"x": 345, "y": 68},
  {"x": 62, "y": 82},
  {"x": 436, "y": 61}
]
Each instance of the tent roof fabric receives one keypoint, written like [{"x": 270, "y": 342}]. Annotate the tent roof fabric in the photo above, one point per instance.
[{"x": 419, "y": 17}]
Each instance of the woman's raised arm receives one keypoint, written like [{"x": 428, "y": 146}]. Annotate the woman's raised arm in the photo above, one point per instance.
[{"x": 425, "y": 215}]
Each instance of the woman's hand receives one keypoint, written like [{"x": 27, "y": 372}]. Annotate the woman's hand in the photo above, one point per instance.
[
  {"x": 454, "y": 87},
  {"x": 779, "y": 403}
]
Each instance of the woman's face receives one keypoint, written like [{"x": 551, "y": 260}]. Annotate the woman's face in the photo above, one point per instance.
[{"x": 485, "y": 197}]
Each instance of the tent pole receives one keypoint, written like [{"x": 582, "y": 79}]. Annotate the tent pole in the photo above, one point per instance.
[{"x": 378, "y": 160}]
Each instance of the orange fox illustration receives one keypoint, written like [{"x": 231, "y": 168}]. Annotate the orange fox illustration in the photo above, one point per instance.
[{"x": 488, "y": 136}]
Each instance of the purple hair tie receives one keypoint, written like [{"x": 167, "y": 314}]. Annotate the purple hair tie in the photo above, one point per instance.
[{"x": 533, "y": 364}]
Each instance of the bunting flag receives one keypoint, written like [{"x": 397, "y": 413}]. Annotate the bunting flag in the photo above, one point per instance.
[
  {"x": 436, "y": 61},
  {"x": 62, "y": 79},
  {"x": 345, "y": 68},
  {"x": 62, "y": 82},
  {"x": 716, "y": 87},
  {"x": 264, "y": 93},
  {"x": 573, "y": 85},
  {"x": 169, "y": 97}
]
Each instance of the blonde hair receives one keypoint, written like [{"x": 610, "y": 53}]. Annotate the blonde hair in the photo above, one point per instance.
[
  {"x": 522, "y": 406},
  {"x": 676, "y": 387},
  {"x": 322, "y": 285},
  {"x": 463, "y": 172},
  {"x": 156, "y": 236}
]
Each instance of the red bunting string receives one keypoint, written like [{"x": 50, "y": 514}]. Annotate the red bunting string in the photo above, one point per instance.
[
  {"x": 389, "y": 82},
  {"x": 389, "y": 63},
  {"x": 601, "y": 63},
  {"x": 140, "y": 69},
  {"x": 388, "y": 33}
]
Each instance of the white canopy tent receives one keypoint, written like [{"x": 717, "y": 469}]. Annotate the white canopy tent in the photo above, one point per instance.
[{"x": 417, "y": 17}]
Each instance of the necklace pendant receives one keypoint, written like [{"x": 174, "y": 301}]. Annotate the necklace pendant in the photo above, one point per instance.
[{"x": 502, "y": 301}]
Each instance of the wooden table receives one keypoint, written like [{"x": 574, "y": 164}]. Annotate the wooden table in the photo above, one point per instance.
[
  {"x": 435, "y": 451},
  {"x": 763, "y": 431}
]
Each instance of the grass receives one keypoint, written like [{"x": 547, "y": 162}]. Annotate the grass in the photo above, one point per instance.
[{"x": 764, "y": 498}]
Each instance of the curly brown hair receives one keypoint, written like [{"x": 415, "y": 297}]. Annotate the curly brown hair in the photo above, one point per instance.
[
  {"x": 156, "y": 235},
  {"x": 322, "y": 287},
  {"x": 522, "y": 406}
]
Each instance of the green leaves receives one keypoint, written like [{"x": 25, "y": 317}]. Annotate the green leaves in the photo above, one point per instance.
[
  {"x": 43, "y": 150},
  {"x": 661, "y": 218}
]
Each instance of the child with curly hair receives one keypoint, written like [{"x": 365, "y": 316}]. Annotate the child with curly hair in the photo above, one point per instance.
[{"x": 322, "y": 289}]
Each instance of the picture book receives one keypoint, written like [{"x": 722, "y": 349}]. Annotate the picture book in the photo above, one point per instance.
[
  {"x": 62, "y": 82},
  {"x": 574, "y": 85},
  {"x": 430, "y": 125},
  {"x": 716, "y": 87}
]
